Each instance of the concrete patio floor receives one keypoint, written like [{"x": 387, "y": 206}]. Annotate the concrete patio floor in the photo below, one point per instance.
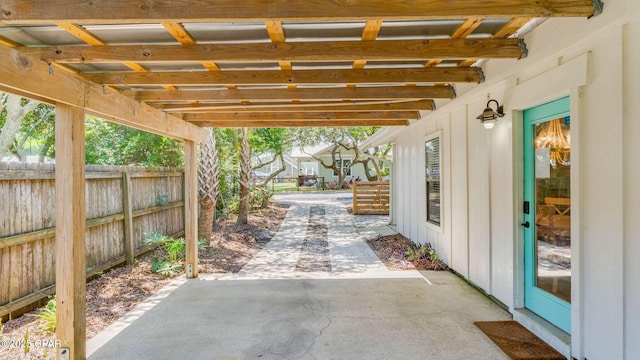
[{"x": 358, "y": 310}]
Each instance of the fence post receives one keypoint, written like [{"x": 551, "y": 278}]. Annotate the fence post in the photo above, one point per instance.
[
  {"x": 129, "y": 250},
  {"x": 355, "y": 198}
]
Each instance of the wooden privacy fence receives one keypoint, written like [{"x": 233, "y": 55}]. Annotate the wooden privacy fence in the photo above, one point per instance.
[
  {"x": 122, "y": 203},
  {"x": 371, "y": 198}
]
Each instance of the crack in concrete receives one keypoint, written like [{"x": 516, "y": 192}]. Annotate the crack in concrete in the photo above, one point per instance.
[
  {"x": 314, "y": 314},
  {"x": 320, "y": 333}
]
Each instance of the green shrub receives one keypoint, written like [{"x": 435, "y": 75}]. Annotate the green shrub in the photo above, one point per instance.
[
  {"x": 416, "y": 254},
  {"x": 171, "y": 263},
  {"x": 422, "y": 252},
  {"x": 166, "y": 268},
  {"x": 47, "y": 316}
]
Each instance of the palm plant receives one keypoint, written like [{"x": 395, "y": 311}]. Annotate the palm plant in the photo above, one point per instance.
[
  {"x": 245, "y": 179},
  {"x": 208, "y": 185}
]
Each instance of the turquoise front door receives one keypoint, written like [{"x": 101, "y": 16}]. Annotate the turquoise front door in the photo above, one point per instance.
[{"x": 547, "y": 212}]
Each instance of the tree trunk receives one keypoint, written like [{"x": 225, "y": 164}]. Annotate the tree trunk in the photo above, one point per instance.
[
  {"x": 45, "y": 149},
  {"x": 15, "y": 113},
  {"x": 245, "y": 179},
  {"x": 20, "y": 155},
  {"x": 367, "y": 170},
  {"x": 208, "y": 186},
  {"x": 205, "y": 220},
  {"x": 265, "y": 197},
  {"x": 265, "y": 184}
]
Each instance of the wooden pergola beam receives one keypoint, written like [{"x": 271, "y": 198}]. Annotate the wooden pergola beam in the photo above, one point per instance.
[
  {"x": 301, "y": 123},
  {"x": 461, "y": 32},
  {"x": 370, "y": 33},
  {"x": 285, "y": 116},
  {"x": 276, "y": 34},
  {"x": 363, "y": 93},
  {"x": 34, "y": 77},
  {"x": 88, "y": 37},
  {"x": 380, "y": 50},
  {"x": 415, "y": 105},
  {"x": 103, "y": 12},
  {"x": 251, "y": 77}
]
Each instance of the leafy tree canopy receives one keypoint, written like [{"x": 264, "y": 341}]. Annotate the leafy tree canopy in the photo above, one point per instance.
[
  {"x": 348, "y": 138},
  {"x": 112, "y": 144}
]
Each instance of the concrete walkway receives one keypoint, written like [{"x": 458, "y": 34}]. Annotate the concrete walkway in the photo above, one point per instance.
[{"x": 357, "y": 310}]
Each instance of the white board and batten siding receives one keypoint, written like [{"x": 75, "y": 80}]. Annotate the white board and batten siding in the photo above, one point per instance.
[{"x": 597, "y": 63}]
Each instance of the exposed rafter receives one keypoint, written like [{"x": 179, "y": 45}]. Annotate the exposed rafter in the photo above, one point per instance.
[
  {"x": 184, "y": 37},
  {"x": 364, "y": 93},
  {"x": 381, "y": 50},
  {"x": 317, "y": 115},
  {"x": 256, "y": 77},
  {"x": 302, "y": 123},
  {"x": 71, "y": 89},
  {"x": 6, "y": 42},
  {"x": 511, "y": 27},
  {"x": 277, "y": 36},
  {"x": 104, "y": 12},
  {"x": 91, "y": 39},
  {"x": 415, "y": 105},
  {"x": 461, "y": 32},
  {"x": 370, "y": 33},
  {"x": 179, "y": 32}
]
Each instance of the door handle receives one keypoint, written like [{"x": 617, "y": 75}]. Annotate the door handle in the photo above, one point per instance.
[{"x": 525, "y": 224}]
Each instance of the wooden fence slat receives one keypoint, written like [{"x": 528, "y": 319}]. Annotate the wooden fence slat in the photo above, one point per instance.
[
  {"x": 20, "y": 239},
  {"x": 49, "y": 175},
  {"x": 371, "y": 198},
  {"x": 5, "y": 271},
  {"x": 154, "y": 209},
  {"x": 16, "y": 273},
  {"x": 128, "y": 217},
  {"x": 27, "y": 222}
]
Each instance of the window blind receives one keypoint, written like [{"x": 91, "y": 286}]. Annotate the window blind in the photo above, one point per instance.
[{"x": 432, "y": 176}]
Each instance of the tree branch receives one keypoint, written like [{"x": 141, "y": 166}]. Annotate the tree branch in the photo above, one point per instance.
[
  {"x": 259, "y": 165},
  {"x": 275, "y": 173}
]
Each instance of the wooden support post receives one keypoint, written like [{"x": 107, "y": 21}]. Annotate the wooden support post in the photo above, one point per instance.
[
  {"x": 70, "y": 232},
  {"x": 355, "y": 198},
  {"x": 129, "y": 249},
  {"x": 191, "y": 208}
]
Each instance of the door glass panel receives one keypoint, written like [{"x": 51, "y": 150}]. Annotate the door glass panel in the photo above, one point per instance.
[{"x": 552, "y": 143}]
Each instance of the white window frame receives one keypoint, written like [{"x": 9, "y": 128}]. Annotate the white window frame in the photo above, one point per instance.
[
  {"x": 335, "y": 175},
  {"x": 430, "y": 137}
]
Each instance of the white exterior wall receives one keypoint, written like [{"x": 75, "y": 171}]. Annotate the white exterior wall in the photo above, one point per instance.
[
  {"x": 597, "y": 63},
  {"x": 631, "y": 188}
]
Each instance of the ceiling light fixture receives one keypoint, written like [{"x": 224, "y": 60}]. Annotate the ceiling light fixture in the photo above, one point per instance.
[{"x": 490, "y": 116}]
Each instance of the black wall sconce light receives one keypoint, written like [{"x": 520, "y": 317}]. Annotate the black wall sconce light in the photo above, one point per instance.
[{"x": 490, "y": 116}]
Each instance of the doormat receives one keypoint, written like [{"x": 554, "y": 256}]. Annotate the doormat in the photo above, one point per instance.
[{"x": 517, "y": 342}]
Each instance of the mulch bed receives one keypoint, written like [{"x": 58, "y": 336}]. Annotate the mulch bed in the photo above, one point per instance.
[
  {"x": 117, "y": 291},
  {"x": 233, "y": 245},
  {"x": 391, "y": 251}
]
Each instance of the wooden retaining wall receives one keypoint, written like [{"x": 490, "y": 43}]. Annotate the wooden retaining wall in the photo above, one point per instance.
[
  {"x": 371, "y": 198},
  {"x": 121, "y": 204}
]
